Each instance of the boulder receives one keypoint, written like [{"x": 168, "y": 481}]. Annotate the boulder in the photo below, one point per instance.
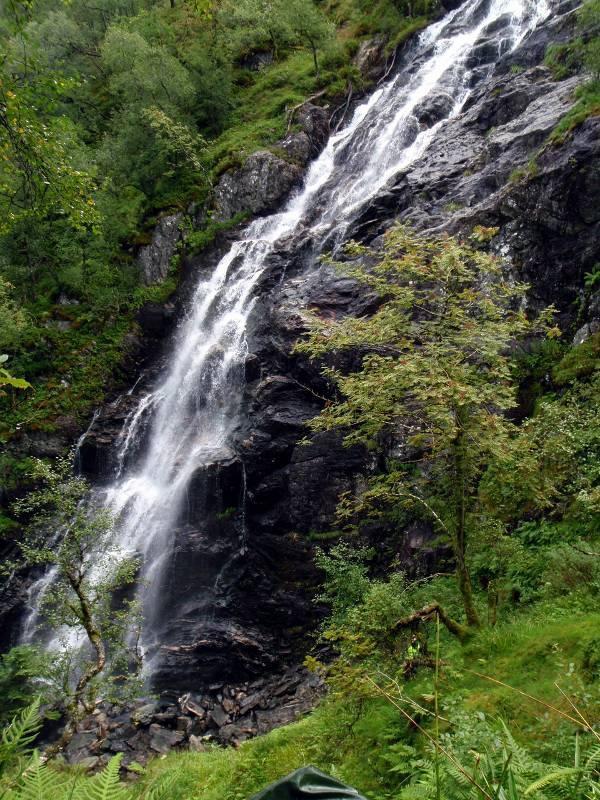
[
  {"x": 370, "y": 57},
  {"x": 162, "y": 740}
]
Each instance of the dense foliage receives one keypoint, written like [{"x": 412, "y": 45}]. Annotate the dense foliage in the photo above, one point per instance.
[{"x": 434, "y": 386}]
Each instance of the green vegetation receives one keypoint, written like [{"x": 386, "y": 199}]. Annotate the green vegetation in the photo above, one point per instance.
[
  {"x": 583, "y": 53},
  {"x": 483, "y": 682},
  {"x": 435, "y": 373},
  {"x": 79, "y": 604},
  {"x": 415, "y": 707},
  {"x": 25, "y": 775}
]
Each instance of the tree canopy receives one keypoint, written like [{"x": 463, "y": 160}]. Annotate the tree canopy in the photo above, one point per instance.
[{"x": 434, "y": 384}]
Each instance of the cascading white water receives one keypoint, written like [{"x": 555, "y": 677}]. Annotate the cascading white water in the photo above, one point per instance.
[{"x": 190, "y": 414}]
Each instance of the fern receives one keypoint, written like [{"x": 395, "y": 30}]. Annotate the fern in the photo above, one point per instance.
[
  {"x": 418, "y": 791},
  {"x": 39, "y": 782},
  {"x": 559, "y": 776},
  {"x": 106, "y": 785},
  {"x": 19, "y": 734},
  {"x": 593, "y": 760}
]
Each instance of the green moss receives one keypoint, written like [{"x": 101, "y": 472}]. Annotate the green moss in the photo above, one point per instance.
[
  {"x": 526, "y": 172},
  {"x": 13, "y": 470},
  {"x": 198, "y": 240},
  {"x": 587, "y": 105},
  {"x": 74, "y": 371},
  {"x": 565, "y": 60},
  {"x": 580, "y": 362}
]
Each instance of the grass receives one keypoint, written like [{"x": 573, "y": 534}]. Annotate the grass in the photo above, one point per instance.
[
  {"x": 587, "y": 105},
  {"x": 263, "y": 98},
  {"x": 356, "y": 741}
]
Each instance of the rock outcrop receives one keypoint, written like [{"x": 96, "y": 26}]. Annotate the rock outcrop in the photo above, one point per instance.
[
  {"x": 494, "y": 166},
  {"x": 154, "y": 259},
  {"x": 265, "y": 179},
  {"x": 223, "y": 714}
]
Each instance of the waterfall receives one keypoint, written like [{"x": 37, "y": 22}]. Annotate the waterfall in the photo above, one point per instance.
[{"x": 188, "y": 417}]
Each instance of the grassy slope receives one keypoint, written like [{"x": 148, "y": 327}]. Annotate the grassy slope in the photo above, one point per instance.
[{"x": 355, "y": 741}]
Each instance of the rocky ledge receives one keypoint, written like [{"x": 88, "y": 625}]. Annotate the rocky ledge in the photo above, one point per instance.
[
  {"x": 265, "y": 179},
  {"x": 222, "y": 714}
]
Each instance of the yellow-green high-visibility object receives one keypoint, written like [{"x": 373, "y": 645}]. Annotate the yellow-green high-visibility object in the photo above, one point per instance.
[{"x": 308, "y": 783}]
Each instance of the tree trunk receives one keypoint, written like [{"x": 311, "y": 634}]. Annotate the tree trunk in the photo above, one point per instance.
[
  {"x": 78, "y": 705},
  {"x": 462, "y": 632},
  {"x": 460, "y": 538},
  {"x": 313, "y": 47},
  {"x": 493, "y": 598}
]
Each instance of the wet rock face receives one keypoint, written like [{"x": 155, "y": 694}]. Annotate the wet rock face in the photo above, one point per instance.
[
  {"x": 369, "y": 57},
  {"x": 154, "y": 259},
  {"x": 550, "y": 225},
  {"x": 265, "y": 179},
  {"x": 308, "y": 142},
  {"x": 479, "y": 171},
  {"x": 258, "y": 187}
]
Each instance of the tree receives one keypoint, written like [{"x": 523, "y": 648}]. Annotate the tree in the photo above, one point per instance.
[
  {"x": 96, "y": 635},
  {"x": 39, "y": 173},
  {"x": 309, "y": 26},
  {"x": 13, "y": 319},
  {"x": 433, "y": 386},
  {"x": 277, "y": 24},
  {"x": 145, "y": 73},
  {"x": 6, "y": 379}
]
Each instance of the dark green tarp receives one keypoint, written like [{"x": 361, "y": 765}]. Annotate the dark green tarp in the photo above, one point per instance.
[{"x": 308, "y": 783}]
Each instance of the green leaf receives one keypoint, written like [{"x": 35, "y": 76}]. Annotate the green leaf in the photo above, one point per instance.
[
  {"x": 41, "y": 782},
  {"x": 19, "y": 734},
  {"x": 106, "y": 785}
]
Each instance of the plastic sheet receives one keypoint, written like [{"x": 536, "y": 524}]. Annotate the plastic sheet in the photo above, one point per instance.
[{"x": 308, "y": 783}]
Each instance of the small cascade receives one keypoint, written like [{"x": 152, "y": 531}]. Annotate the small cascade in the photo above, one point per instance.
[{"x": 187, "y": 419}]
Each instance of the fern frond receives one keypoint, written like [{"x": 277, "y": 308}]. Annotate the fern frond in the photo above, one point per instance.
[
  {"x": 39, "y": 782},
  {"x": 593, "y": 759},
  {"x": 106, "y": 785},
  {"x": 559, "y": 776},
  {"x": 457, "y": 775},
  {"x": 19, "y": 733},
  {"x": 418, "y": 791},
  {"x": 521, "y": 761}
]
